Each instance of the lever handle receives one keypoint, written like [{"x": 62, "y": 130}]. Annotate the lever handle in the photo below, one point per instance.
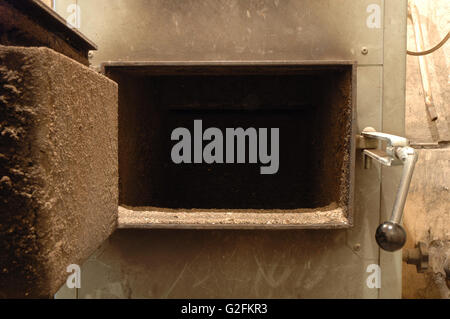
[{"x": 390, "y": 235}]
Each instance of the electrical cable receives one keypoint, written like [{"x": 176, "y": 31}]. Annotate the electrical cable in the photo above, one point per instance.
[{"x": 432, "y": 49}]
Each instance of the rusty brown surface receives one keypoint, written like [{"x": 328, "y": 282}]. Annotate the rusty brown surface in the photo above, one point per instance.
[{"x": 58, "y": 167}]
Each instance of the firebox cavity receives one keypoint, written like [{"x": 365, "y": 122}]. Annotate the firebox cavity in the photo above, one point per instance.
[{"x": 310, "y": 105}]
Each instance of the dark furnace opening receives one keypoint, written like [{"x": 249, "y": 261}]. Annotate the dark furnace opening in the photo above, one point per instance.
[{"x": 310, "y": 104}]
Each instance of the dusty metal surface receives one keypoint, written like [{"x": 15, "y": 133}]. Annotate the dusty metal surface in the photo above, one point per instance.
[
  {"x": 31, "y": 23},
  {"x": 393, "y": 122},
  {"x": 258, "y": 263},
  {"x": 220, "y": 264},
  {"x": 215, "y": 30}
]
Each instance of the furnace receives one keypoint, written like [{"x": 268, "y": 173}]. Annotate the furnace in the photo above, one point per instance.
[{"x": 329, "y": 75}]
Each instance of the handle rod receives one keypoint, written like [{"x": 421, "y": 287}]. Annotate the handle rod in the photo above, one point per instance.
[{"x": 408, "y": 156}]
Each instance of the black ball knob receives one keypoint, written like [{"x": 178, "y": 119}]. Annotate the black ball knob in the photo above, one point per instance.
[{"x": 390, "y": 236}]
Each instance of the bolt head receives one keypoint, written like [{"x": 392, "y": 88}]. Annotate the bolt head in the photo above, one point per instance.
[{"x": 364, "y": 50}]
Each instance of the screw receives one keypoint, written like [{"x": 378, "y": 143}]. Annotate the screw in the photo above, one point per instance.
[
  {"x": 90, "y": 54},
  {"x": 364, "y": 50},
  {"x": 357, "y": 247}
]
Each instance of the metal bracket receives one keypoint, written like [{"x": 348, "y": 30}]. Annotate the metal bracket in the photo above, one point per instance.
[
  {"x": 417, "y": 256},
  {"x": 387, "y": 157},
  {"x": 390, "y": 235}
]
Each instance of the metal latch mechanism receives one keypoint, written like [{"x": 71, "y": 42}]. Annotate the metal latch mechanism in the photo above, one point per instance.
[{"x": 390, "y": 235}]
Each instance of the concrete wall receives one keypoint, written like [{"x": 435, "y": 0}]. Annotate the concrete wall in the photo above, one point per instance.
[{"x": 427, "y": 212}]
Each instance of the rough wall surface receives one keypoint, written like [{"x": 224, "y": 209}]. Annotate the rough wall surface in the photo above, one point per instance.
[
  {"x": 58, "y": 167},
  {"x": 427, "y": 218},
  {"x": 435, "y": 23},
  {"x": 427, "y": 211}
]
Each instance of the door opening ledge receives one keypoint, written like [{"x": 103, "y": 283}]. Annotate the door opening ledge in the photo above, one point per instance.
[{"x": 156, "y": 217}]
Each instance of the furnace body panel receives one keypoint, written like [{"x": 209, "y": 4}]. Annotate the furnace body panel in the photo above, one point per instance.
[{"x": 331, "y": 263}]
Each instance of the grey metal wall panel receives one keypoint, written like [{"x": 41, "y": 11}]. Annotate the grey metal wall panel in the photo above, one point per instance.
[
  {"x": 143, "y": 30},
  {"x": 394, "y": 72}
]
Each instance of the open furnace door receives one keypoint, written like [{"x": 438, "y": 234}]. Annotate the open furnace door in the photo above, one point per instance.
[
  {"x": 59, "y": 176},
  {"x": 58, "y": 154}
]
